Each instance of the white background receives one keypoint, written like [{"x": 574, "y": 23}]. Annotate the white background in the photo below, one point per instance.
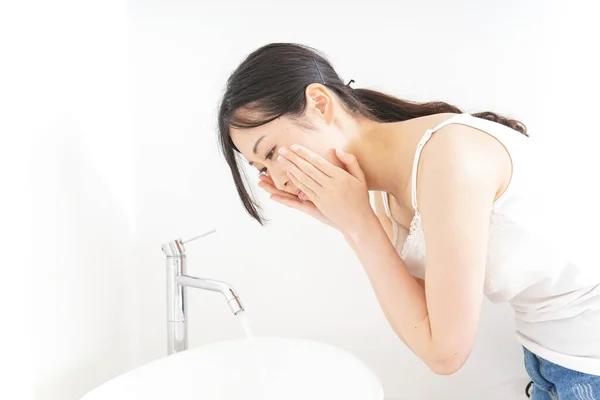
[{"x": 109, "y": 150}]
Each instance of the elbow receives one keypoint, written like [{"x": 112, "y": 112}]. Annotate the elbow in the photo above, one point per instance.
[
  {"x": 445, "y": 368},
  {"x": 448, "y": 364},
  {"x": 448, "y": 357}
]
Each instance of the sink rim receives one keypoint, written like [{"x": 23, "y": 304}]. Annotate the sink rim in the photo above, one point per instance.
[{"x": 245, "y": 342}]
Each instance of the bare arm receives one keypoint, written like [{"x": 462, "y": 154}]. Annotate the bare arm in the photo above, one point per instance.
[
  {"x": 386, "y": 224},
  {"x": 457, "y": 183}
]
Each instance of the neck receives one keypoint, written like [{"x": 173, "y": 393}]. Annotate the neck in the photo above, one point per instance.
[{"x": 382, "y": 150}]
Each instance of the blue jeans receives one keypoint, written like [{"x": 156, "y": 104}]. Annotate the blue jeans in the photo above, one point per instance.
[{"x": 551, "y": 381}]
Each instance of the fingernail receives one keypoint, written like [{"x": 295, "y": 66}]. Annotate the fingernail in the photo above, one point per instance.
[
  {"x": 340, "y": 152},
  {"x": 281, "y": 159},
  {"x": 295, "y": 147},
  {"x": 283, "y": 151}
]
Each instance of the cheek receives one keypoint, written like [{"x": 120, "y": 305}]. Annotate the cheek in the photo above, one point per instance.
[
  {"x": 322, "y": 148},
  {"x": 325, "y": 147}
]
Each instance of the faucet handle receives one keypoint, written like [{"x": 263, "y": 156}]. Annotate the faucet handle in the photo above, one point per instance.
[
  {"x": 199, "y": 236},
  {"x": 176, "y": 248}
]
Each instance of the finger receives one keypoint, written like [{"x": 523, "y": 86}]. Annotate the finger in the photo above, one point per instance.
[
  {"x": 268, "y": 185},
  {"x": 351, "y": 164},
  {"x": 308, "y": 192},
  {"x": 304, "y": 206},
  {"x": 316, "y": 174},
  {"x": 271, "y": 189},
  {"x": 313, "y": 158},
  {"x": 300, "y": 176},
  {"x": 266, "y": 178}
]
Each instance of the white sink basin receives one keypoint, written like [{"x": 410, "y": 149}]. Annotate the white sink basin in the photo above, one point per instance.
[{"x": 264, "y": 369}]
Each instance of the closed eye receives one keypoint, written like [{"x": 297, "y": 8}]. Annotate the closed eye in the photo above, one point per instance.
[
  {"x": 270, "y": 154},
  {"x": 268, "y": 157}
]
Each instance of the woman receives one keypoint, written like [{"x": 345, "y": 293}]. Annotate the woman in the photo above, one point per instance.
[{"x": 459, "y": 185}]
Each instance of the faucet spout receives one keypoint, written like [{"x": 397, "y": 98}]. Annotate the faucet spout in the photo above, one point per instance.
[
  {"x": 177, "y": 284},
  {"x": 225, "y": 289}
]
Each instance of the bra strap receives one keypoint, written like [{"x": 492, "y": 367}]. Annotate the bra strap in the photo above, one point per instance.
[
  {"x": 420, "y": 146},
  {"x": 386, "y": 204}
]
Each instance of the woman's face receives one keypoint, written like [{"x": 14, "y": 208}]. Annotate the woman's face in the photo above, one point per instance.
[{"x": 260, "y": 146}]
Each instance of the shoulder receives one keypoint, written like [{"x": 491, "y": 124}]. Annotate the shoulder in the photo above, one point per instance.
[
  {"x": 456, "y": 139},
  {"x": 458, "y": 151}
]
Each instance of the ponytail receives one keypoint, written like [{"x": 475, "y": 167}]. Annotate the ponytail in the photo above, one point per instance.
[{"x": 386, "y": 108}]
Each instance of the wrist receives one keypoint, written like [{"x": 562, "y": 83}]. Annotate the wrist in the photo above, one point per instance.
[{"x": 363, "y": 226}]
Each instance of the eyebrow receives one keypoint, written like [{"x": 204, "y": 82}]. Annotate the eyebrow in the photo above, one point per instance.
[{"x": 255, "y": 149}]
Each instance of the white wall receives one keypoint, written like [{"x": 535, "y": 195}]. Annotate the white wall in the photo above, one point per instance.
[
  {"x": 70, "y": 284},
  {"x": 105, "y": 184}
]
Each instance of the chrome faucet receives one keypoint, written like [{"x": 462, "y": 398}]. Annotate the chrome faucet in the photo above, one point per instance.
[{"x": 177, "y": 282}]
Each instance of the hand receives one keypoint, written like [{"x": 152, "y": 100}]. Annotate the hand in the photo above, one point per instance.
[
  {"x": 341, "y": 195},
  {"x": 291, "y": 200}
]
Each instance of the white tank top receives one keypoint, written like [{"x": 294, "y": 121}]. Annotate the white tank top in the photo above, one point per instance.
[{"x": 554, "y": 292}]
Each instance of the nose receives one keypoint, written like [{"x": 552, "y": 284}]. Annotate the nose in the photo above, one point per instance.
[
  {"x": 281, "y": 183},
  {"x": 281, "y": 180}
]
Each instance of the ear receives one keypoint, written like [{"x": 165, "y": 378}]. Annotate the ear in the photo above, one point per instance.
[{"x": 320, "y": 103}]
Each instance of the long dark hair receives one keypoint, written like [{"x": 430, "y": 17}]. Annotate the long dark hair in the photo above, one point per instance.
[{"x": 271, "y": 82}]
